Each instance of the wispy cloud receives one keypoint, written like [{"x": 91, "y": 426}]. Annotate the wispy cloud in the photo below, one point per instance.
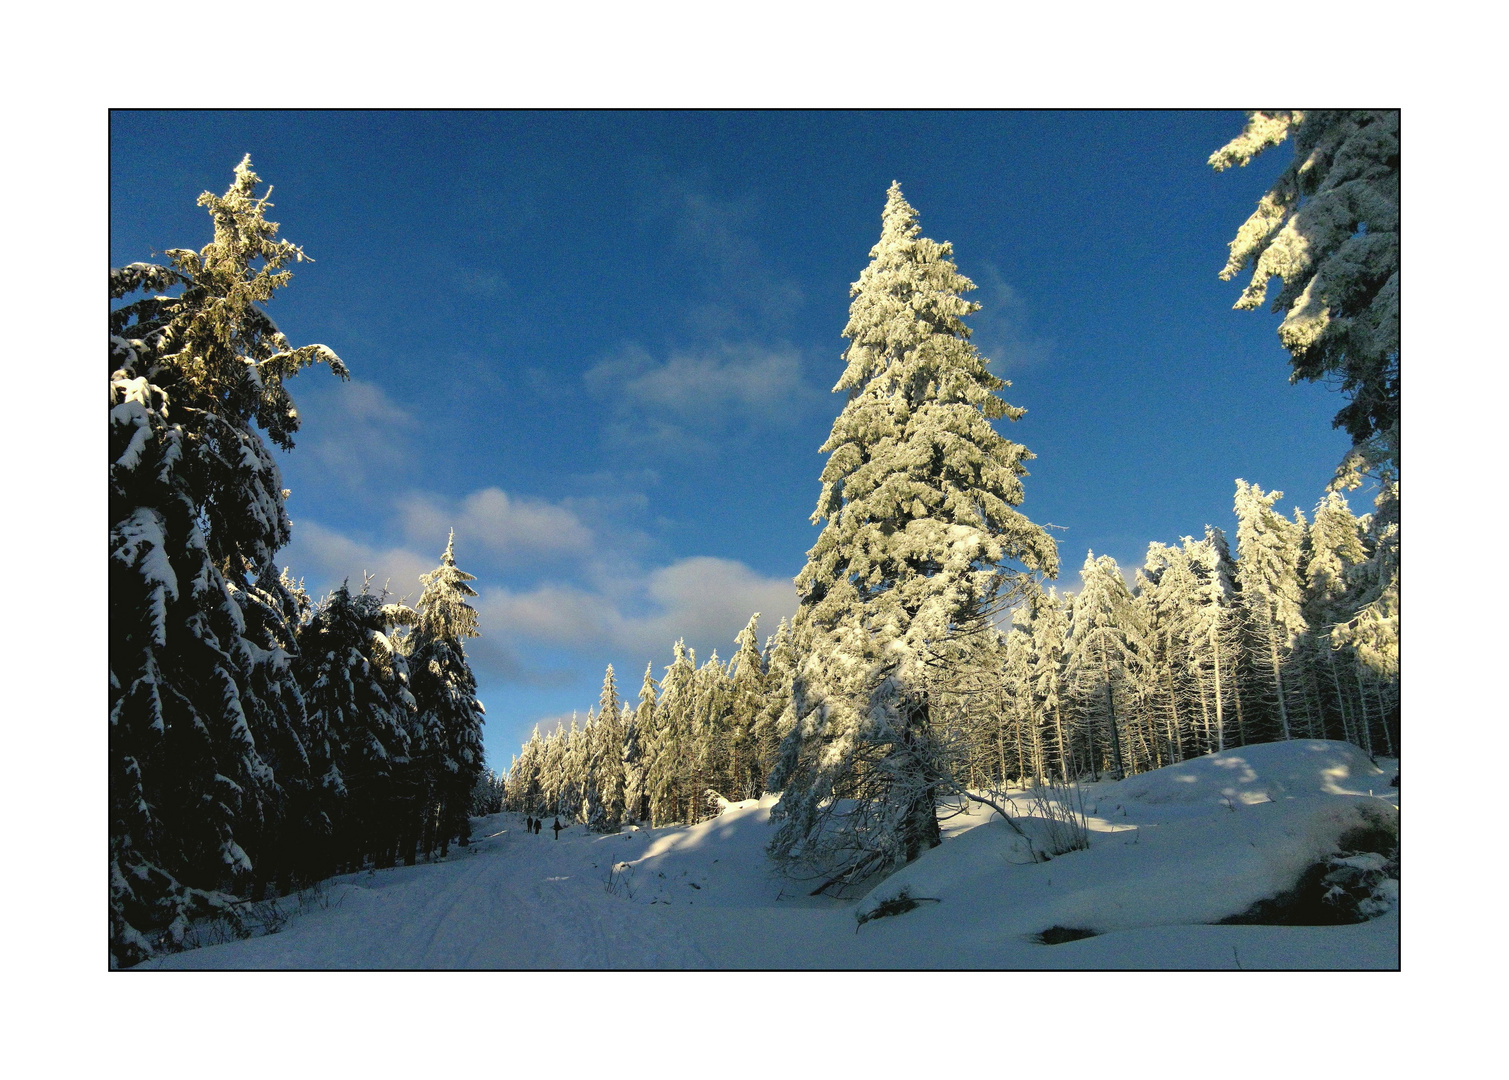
[
  {"x": 680, "y": 402},
  {"x": 718, "y": 234},
  {"x": 517, "y": 529},
  {"x": 355, "y": 432},
  {"x": 1000, "y": 326},
  {"x": 702, "y": 599},
  {"x": 585, "y": 590},
  {"x": 324, "y": 558}
]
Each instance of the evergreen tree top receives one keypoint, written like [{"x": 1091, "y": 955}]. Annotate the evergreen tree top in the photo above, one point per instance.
[
  {"x": 919, "y": 491},
  {"x": 443, "y": 613}
]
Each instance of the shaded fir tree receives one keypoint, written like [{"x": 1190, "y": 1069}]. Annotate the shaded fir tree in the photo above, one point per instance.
[
  {"x": 450, "y": 717},
  {"x": 199, "y": 713},
  {"x": 362, "y": 712},
  {"x": 639, "y": 740},
  {"x": 746, "y": 701}
]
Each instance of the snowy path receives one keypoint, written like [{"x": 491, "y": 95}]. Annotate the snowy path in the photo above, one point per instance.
[
  {"x": 515, "y": 901},
  {"x": 1171, "y": 853}
]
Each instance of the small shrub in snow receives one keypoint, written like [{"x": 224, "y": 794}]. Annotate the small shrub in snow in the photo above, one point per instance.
[
  {"x": 1057, "y": 935},
  {"x": 899, "y": 904},
  {"x": 1061, "y": 809}
]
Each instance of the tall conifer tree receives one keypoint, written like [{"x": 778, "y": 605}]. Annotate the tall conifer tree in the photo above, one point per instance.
[
  {"x": 918, "y": 500},
  {"x": 1269, "y": 553},
  {"x": 446, "y": 692},
  {"x": 196, "y": 507}
]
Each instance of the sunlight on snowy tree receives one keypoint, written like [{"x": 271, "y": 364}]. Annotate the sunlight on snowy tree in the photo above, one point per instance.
[
  {"x": 1106, "y": 658},
  {"x": 1268, "y": 560},
  {"x": 918, "y": 500},
  {"x": 1329, "y": 230},
  {"x": 450, "y": 716}
]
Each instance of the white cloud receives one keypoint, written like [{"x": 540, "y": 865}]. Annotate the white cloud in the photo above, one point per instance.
[
  {"x": 324, "y": 558},
  {"x": 491, "y": 519},
  {"x": 999, "y": 325},
  {"x": 355, "y": 432},
  {"x": 705, "y": 600},
  {"x": 696, "y": 393}
]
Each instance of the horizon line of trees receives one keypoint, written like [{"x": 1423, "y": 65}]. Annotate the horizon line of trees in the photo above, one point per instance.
[
  {"x": 903, "y": 694},
  {"x": 1205, "y": 650}
]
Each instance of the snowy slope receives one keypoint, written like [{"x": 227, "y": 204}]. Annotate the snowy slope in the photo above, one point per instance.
[{"x": 1171, "y": 852}]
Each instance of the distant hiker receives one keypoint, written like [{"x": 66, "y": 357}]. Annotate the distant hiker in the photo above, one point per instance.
[
  {"x": 529, "y": 824},
  {"x": 557, "y": 828},
  {"x": 537, "y": 826}
]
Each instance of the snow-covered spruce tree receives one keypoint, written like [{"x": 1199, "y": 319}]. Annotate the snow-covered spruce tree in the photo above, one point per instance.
[
  {"x": 553, "y": 781},
  {"x": 445, "y": 691},
  {"x": 1373, "y": 632},
  {"x": 1215, "y": 640},
  {"x": 1107, "y": 651},
  {"x": 777, "y": 716},
  {"x": 363, "y": 725},
  {"x": 746, "y": 702},
  {"x": 1020, "y": 714},
  {"x": 1269, "y": 552},
  {"x": 196, "y": 507},
  {"x": 1049, "y": 622},
  {"x": 669, "y": 776},
  {"x": 709, "y": 749},
  {"x": 487, "y": 794},
  {"x": 608, "y": 756},
  {"x": 274, "y": 608},
  {"x": 919, "y": 497},
  {"x": 573, "y": 772},
  {"x": 1329, "y": 229},
  {"x": 639, "y": 738},
  {"x": 1169, "y": 591},
  {"x": 590, "y": 812},
  {"x": 1333, "y": 552},
  {"x": 524, "y": 795}
]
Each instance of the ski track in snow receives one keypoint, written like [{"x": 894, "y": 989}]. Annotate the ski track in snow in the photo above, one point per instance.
[{"x": 1171, "y": 852}]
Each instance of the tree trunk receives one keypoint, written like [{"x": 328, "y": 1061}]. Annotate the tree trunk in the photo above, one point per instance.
[
  {"x": 1215, "y": 646},
  {"x": 1341, "y": 697},
  {"x": 1058, "y": 725},
  {"x": 1111, "y": 713},
  {"x": 1278, "y": 679}
]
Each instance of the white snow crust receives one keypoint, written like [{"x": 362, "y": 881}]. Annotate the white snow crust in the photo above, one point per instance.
[{"x": 1171, "y": 852}]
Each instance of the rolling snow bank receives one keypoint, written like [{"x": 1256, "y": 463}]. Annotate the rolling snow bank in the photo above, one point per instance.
[
  {"x": 1188, "y": 845},
  {"x": 1171, "y": 853}
]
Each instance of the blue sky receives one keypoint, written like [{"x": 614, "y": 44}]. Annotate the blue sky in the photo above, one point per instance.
[{"x": 600, "y": 345}]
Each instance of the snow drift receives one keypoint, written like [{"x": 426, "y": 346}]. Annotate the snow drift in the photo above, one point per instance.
[{"x": 1172, "y": 853}]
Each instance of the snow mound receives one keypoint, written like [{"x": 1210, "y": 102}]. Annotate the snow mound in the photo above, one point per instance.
[
  {"x": 1261, "y": 773},
  {"x": 720, "y": 862},
  {"x": 1187, "y": 845}
]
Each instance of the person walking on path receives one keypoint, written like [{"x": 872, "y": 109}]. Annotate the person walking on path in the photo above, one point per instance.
[
  {"x": 537, "y": 826},
  {"x": 557, "y": 828}
]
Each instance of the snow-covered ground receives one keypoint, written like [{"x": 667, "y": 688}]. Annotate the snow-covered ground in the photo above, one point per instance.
[{"x": 1171, "y": 853}]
